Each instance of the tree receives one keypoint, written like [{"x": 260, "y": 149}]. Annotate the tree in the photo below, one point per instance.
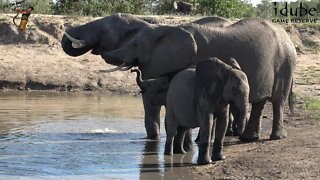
[
  {"x": 100, "y": 7},
  {"x": 230, "y": 8},
  {"x": 265, "y": 9}
]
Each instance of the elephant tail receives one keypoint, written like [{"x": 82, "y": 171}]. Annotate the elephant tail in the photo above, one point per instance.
[{"x": 290, "y": 99}]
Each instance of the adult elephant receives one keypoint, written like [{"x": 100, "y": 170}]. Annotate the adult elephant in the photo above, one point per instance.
[
  {"x": 110, "y": 33},
  {"x": 263, "y": 50}
]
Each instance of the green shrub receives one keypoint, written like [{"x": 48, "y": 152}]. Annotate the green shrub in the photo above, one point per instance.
[{"x": 228, "y": 9}]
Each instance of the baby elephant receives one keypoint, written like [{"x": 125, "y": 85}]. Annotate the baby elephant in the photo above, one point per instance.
[{"x": 195, "y": 94}]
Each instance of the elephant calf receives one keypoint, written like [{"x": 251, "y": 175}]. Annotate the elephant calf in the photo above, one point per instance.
[{"x": 195, "y": 94}]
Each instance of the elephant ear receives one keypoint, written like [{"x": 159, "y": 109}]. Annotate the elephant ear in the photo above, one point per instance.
[
  {"x": 173, "y": 49},
  {"x": 211, "y": 71},
  {"x": 206, "y": 72},
  {"x": 234, "y": 64}
]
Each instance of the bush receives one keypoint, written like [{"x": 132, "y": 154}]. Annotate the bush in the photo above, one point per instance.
[
  {"x": 100, "y": 7},
  {"x": 230, "y": 8}
]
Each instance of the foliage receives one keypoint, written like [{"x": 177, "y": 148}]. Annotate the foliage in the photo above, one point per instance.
[
  {"x": 40, "y": 6},
  {"x": 265, "y": 9},
  {"x": 312, "y": 104},
  {"x": 100, "y": 7},
  {"x": 227, "y": 9},
  {"x": 230, "y": 8},
  {"x": 165, "y": 6}
]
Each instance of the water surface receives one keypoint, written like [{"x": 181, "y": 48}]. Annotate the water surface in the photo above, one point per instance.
[{"x": 81, "y": 136}]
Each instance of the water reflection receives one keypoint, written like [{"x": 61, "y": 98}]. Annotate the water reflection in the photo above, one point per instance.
[
  {"x": 80, "y": 135},
  {"x": 155, "y": 165}
]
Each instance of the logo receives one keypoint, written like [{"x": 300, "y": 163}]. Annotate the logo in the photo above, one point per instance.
[{"x": 295, "y": 12}]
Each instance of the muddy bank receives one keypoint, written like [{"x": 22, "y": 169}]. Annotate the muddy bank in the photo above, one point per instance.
[{"x": 43, "y": 67}]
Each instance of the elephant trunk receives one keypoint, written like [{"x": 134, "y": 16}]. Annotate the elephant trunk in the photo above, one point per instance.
[
  {"x": 68, "y": 46},
  {"x": 240, "y": 119},
  {"x": 76, "y": 43},
  {"x": 138, "y": 78}
]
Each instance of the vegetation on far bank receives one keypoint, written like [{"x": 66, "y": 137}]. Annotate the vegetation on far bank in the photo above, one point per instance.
[{"x": 227, "y": 9}]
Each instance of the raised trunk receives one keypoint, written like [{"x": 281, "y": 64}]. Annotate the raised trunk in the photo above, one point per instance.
[{"x": 68, "y": 49}]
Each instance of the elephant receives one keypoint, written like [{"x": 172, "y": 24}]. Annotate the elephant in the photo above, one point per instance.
[
  {"x": 195, "y": 94},
  {"x": 263, "y": 50},
  {"x": 110, "y": 33},
  {"x": 154, "y": 89},
  {"x": 183, "y": 7},
  {"x": 213, "y": 21}
]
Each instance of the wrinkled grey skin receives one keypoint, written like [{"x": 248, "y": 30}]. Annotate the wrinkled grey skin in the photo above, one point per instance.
[
  {"x": 108, "y": 34},
  {"x": 263, "y": 50},
  {"x": 154, "y": 89},
  {"x": 213, "y": 21},
  {"x": 194, "y": 95}
]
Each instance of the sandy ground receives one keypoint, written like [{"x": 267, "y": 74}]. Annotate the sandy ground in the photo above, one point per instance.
[{"x": 27, "y": 63}]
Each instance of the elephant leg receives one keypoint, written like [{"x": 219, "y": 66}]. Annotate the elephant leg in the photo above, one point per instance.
[
  {"x": 278, "y": 131},
  {"x": 151, "y": 118},
  {"x": 205, "y": 136},
  {"x": 197, "y": 140},
  {"x": 187, "y": 143},
  {"x": 179, "y": 140},
  {"x": 171, "y": 130},
  {"x": 281, "y": 93},
  {"x": 252, "y": 130},
  {"x": 220, "y": 131},
  {"x": 230, "y": 129}
]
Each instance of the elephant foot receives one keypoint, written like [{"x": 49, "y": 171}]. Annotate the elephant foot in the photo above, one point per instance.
[
  {"x": 203, "y": 157},
  {"x": 168, "y": 149},
  {"x": 178, "y": 147},
  {"x": 188, "y": 146},
  {"x": 178, "y": 150},
  {"x": 249, "y": 136},
  {"x": 278, "y": 134},
  {"x": 237, "y": 132},
  {"x": 229, "y": 132},
  {"x": 218, "y": 157},
  {"x": 204, "y": 161},
  {"x": 153, "y": 137}
]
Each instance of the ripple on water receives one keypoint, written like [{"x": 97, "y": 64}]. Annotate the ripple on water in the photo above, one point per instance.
[{"x": 75, "y": 136}]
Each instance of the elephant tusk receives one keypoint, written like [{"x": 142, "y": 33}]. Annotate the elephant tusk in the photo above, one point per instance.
[
  {"x": 76, "y": 43},
  {"x": 125, "y": 68},
  {"x": 123, "y": 65}
]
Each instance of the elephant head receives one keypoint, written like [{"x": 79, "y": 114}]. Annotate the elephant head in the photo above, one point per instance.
[
  {"x": 225, "y": 83},
  {"x": 157, "y": 50},
  {"x": 105, "y": 34},
  {"x": 155, "y": 89}
]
